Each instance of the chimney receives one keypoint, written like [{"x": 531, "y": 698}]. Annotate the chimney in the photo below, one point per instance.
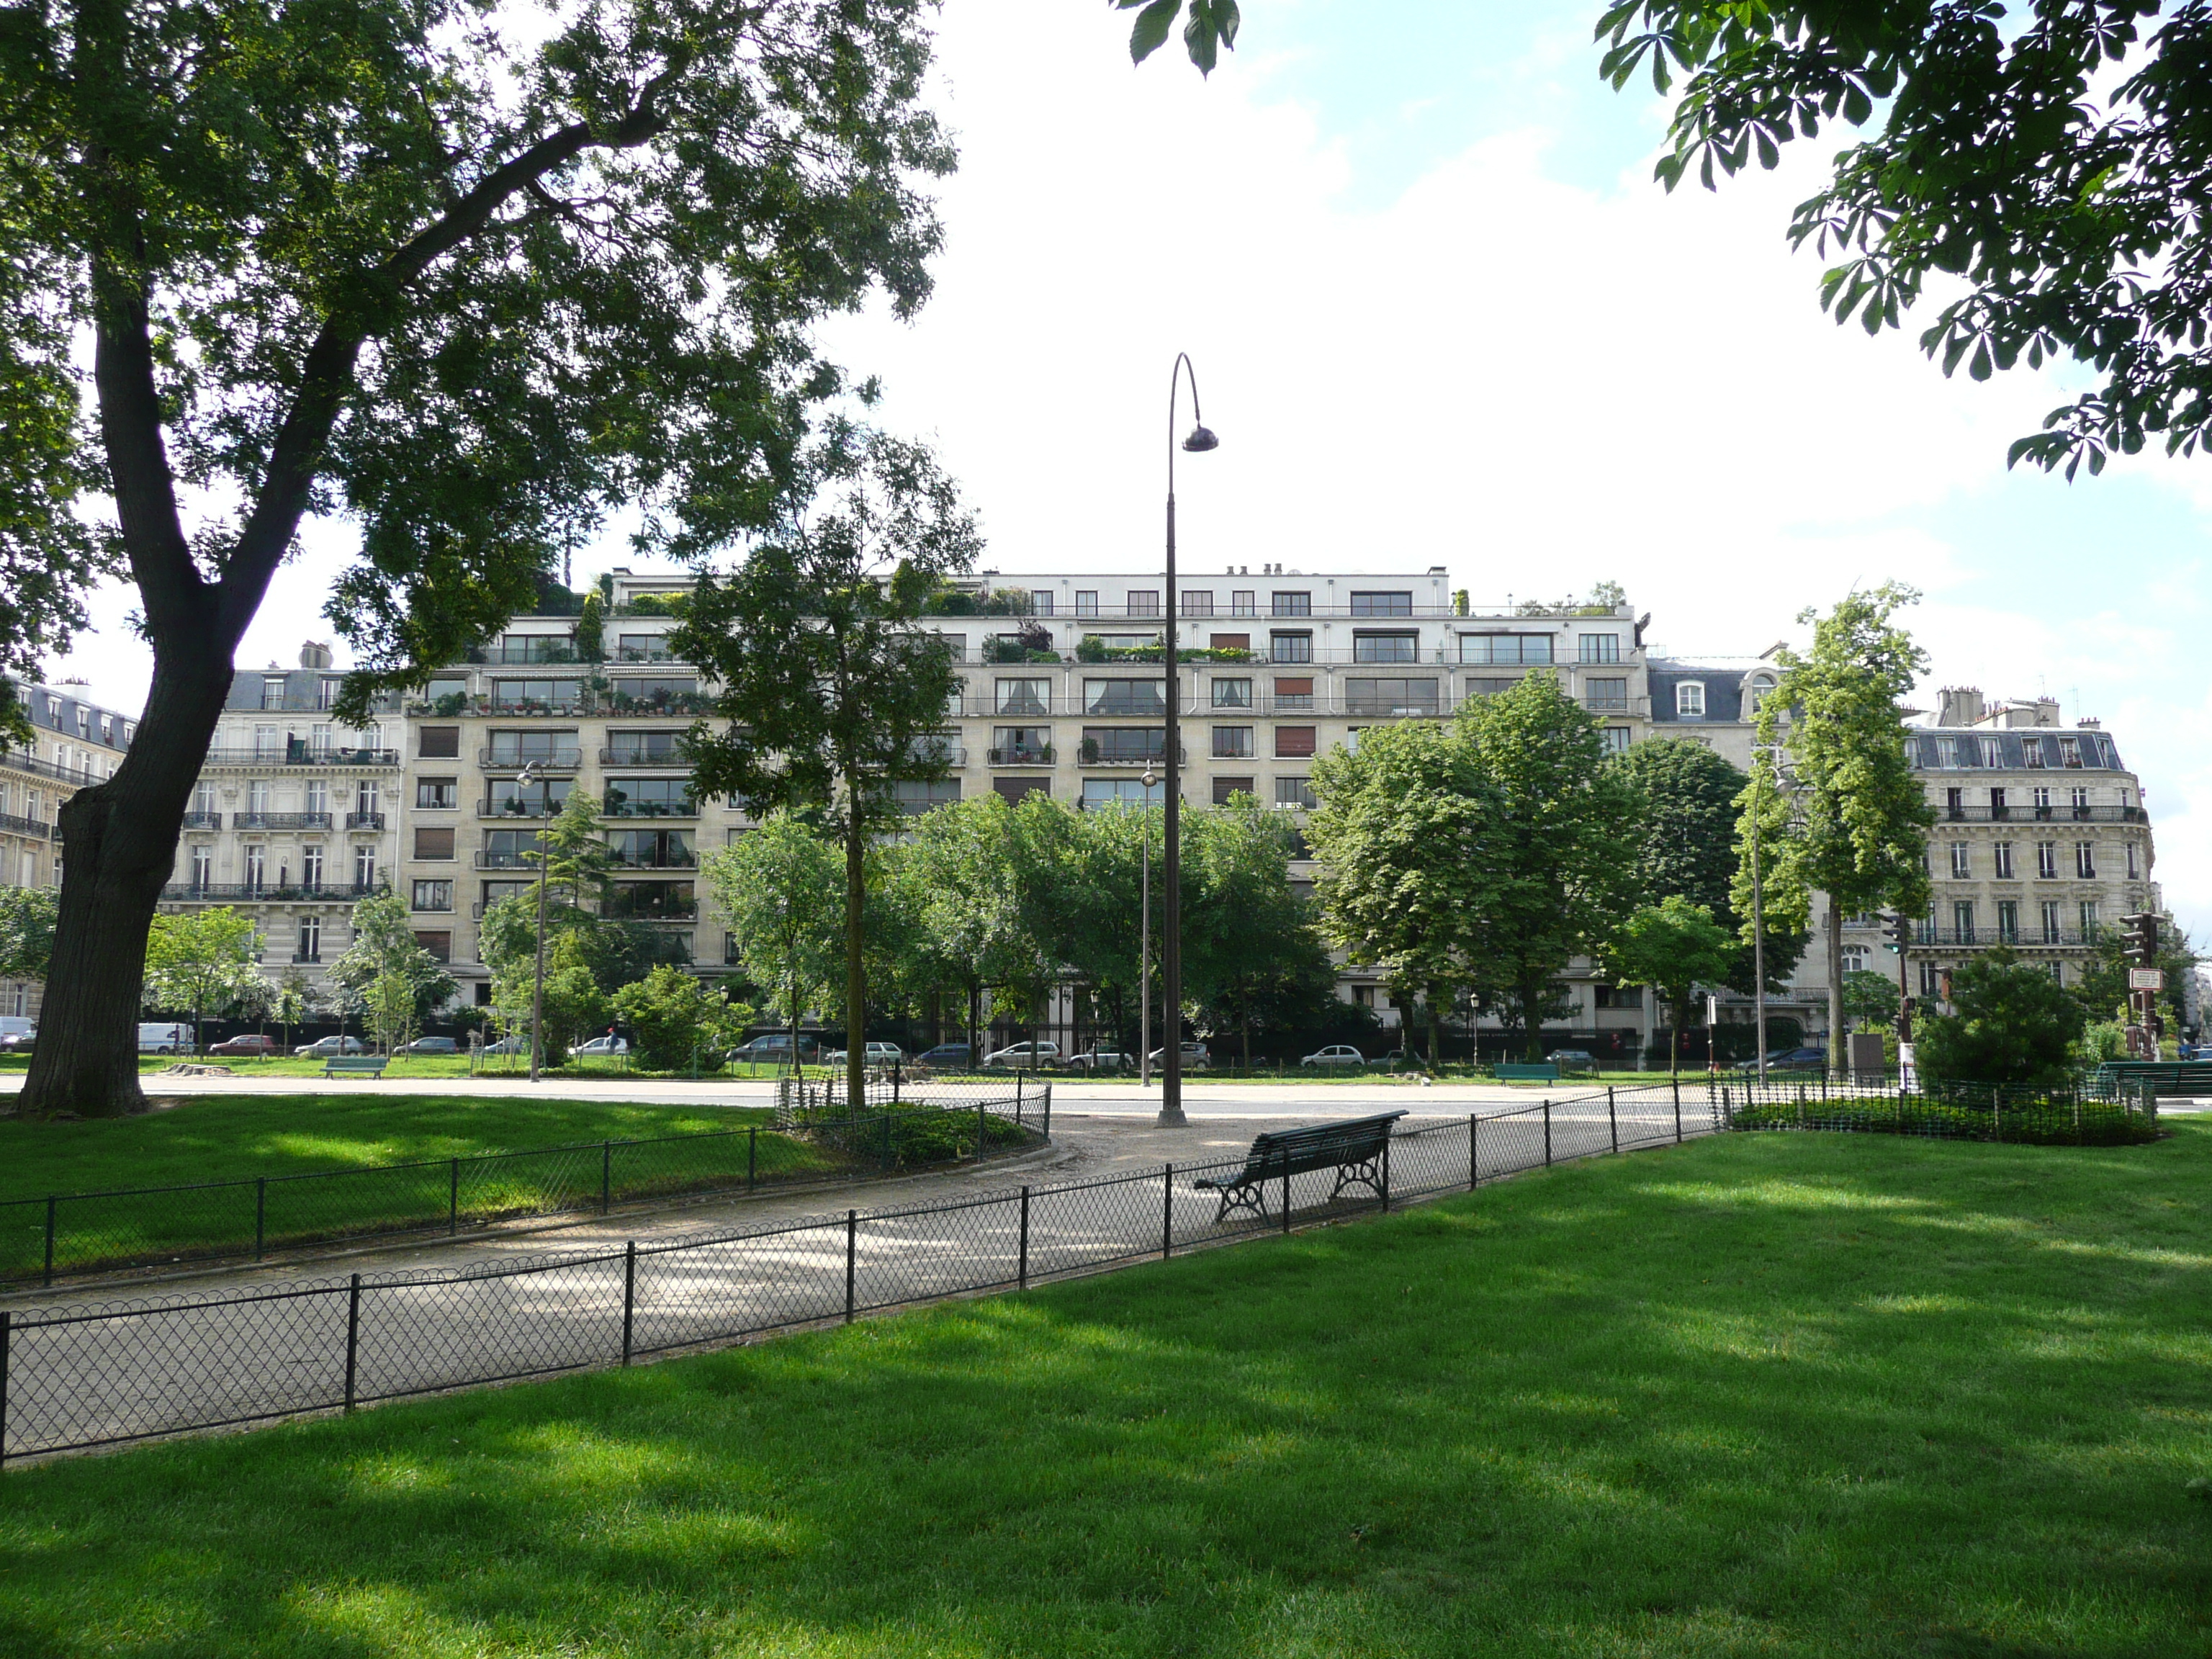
[
  {"x": 1960, "y": 705},
  {"x": 314, "y": 654}
]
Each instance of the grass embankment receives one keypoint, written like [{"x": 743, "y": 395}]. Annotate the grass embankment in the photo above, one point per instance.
[{"x": 1783, "y": 1395}]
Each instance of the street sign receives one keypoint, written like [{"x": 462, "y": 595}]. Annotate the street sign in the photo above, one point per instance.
[{"x": 2146, "y": 979}]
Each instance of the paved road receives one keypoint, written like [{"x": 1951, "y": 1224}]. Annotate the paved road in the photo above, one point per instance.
[{"x": 82, "y": 1371}]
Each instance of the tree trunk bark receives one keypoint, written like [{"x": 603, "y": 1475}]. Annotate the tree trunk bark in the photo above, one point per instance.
[
  {"x": 856, "y": 969},
  {"x": 119, "y": 845},
  {"x": 1532, "y": 1022},
  {"x": 1835, "y": 932}
]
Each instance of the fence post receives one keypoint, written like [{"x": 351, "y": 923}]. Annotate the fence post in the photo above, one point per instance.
[
  {"x": 1167, "y": 1212},
  {"x": 260, "y": 1213},
  {"x": 606, "y": 1176},
  {"x": 752, "y": 1156},
  {"x": 979, "y": 1130},
  {"x": 897, "y": 1066},
  {"x": 7, "y": 1341},
  {"x": 51, "y": 1200},
  {"x": 1286, "y": 1192},
  {"x": 1473, "y": 1154},
  {"x": 353, "y": 1335},
  {"x": 453, "y": 1201},
  {"x": 1678, "y": 1111},
  {"x": 1612, "y": 1118},
  {"x": 1024, "y": 1275},
  {"x": 851, "y": 1243},
  {"x": 890, "y": 1153},
  {"x": 1386, "y": 1171},
  {"x": 1547, "y": 1134},
  {"x": 630, "y": 1295}
]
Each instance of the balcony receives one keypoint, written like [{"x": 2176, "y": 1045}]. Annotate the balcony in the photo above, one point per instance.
[
  {"x": 649, "y": 809},
  {"x": 22, "y": 761},
  {"x": 12, "y": 825},
  {"x": 631, "y": 910},
  {"x": 203, "y": 820},
  {"x": 518, "y": 859},
  {"x": 1089, "y": 753},
  {"x": 1023, "y": 755},
  {"x": 364, "y": 820},
  {"x": 2066, "y": 814},
  {"x": 1380, "y": 708},
  {"x": 549, "y": 649},
  {"x": 268, "y": 893},
  {"x": 280, "y": 820},
  {"x": 532, "y": 708},
  {"x": 527, "y": 812},
  {"x": 2027, "y": 938},
  {"x": 615, "y": 758},
  {"x": 558, "y": 760},
  {"x": 671, "y": 859},
  {"x": 307, "y": 955},
  {"x": 1606, "y": 704},
  {"x": 647, "y": 653},
  {"x": 299, "y": 753}
]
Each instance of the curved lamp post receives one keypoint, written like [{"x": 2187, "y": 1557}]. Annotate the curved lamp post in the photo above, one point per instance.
[{"x": 1198, "y": 442}]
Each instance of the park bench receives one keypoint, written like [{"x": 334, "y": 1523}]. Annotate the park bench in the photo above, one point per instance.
[
  {"x": 2163, "y": 1077},
  {"x": 1525, "y": 1072},
  {"x": 1354, "y": 1149},
  {"x": 354, "y": 1066}
]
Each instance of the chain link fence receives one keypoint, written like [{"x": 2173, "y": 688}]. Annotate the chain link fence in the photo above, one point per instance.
[{"x": 65, "y": 1233}]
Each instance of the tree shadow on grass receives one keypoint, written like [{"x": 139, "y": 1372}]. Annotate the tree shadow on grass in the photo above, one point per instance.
[{"x": 1787, "y": 1395}]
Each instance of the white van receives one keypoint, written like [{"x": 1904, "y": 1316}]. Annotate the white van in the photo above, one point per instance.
[
  {"x": 14, "y": 1025},
  {"x": 165, "y": 1039}
]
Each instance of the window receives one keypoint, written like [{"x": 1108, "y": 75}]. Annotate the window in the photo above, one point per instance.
[
  {"x": 1232, "y": 693},
  {"x": 652, "y": 748},
  {"x": 202, "y": 864},
  {"x": 1293, "y": 604},
  {"x": 1617, "y": 738},
  {"x": 916, "y": 797},
  {"x": 434, "y": 894},
  {"x": 1856, "y": 959},
  {"x": 1294, "y": 742},
  {"x": 1371, "y": 645},
  {"x": 311, "y": 865},
  {"x": 1292, "y": 695},
  {"x": 1225, "y": 787},
  {"x": 1294, "y": 794},
  {"x": 1024, "y": 697},
  {"x": 1618, "y": 996},
  {"x": 203, "y": 800},
  {"x": 257, "y": 864},
  {"x": 1962, "y": 920},
  {"x": 648, "y": 798},
  {"x": 1232, "y": 743},
  {"x": 272, "y": 691},
  {"x": 439, "y": 944},
  {"x": 1127, "y": 698},
  {"x": 1390, "y": 697},
  {"x": 651, "y": 849},
  {"x": 518, "y": 748},
  {"x": 1121, "y": 791},
  {"x": 1606, "y": 695},
  {"x": 2057, "y": 972},
  {"x": 1123, "y": 745},
  {"x": 2134, "y": 861},
  {"x": 256, "y": 797},
  {"x": 433, "y": 843},
  {"x": 1086, "y": 602},
  {"x": 541, "y": 799},
  {"x": 495, "y": 892},
  {"x": 2032, "y": 750},
  {"x": 2085, "y": 859},
  {"x": 1014, "y": 791},
  {"x": 1689, "y": 700},
  {"x": 2041, "y": 796},
  {"x": 1998, "y": 810},
  {"x": 268, "y": 743},
  {"x": 311, "y": 939},
  {"x": 2002, "y": 851},
  {"x": 2088, "y": 921},
  {"x": 1289, "y": 648},
  {"x": 509, "y": 849},
  {"x": 2070, "y": 751},
  {"x": 1021, "y": 745},
  {"x": 2009, "y": 921},
  {"x": 535, "y": 694},
  {"x": 1489, "y": 688},
  {"x": 1243, "y": 602},
  {"x": 1962, "y": 864},
  {"x": 1195, "y": 601},
  {"x": 1992, "y": 754},
  {"x": 1230, "y": 641},
  {"x": 2046, "y": 860},
  {"x": 2051, "y": 933},
  {"x": 1931, "y": 982},
  {"x": 1144, "y": 602},
  {"x": 657, "y": 692},
  {"x": 1382, "y": 604},
  {"x": 364, "y": 866},
  {"x": 1600, "y": 647},
  {"x": 437, "y": 792},
  {"x": 1755, "y": 693},
  {"x": 1955, "y": 804},
  {"x": 1505, "y": 650},
  {"x": 439, "y": 743}
]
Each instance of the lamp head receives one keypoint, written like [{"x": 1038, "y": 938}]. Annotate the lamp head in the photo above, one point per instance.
[
  {"x": 1201, "y": 438},
  {"x": 1149, "y": 779}
]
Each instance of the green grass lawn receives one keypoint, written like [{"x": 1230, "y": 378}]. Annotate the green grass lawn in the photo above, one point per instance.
[{"x": 1771, "y": 1395}]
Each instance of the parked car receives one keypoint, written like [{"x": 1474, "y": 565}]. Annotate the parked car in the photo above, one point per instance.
[
  {"x": 1573, "y": 1059},
  {"x": 1789, "y": 1060},
  {"x": 1026, "y": 1056},
  {"x": 516, "y": 1042},
  {"x": 1103, "y": 1059},
  {"x": 879, "y": 1053},
  {"x": 433, "y": 1045},
  {"x": 17, "y": 1036},
  {"x": 1337, "y": 1054},
  {"x": 603, "y": 1045},
  {"x": 775, "y": 1047},
  {"x": 946, "y": 1057},
  {"x": 251, "y": 1042},
  {"x": 1195, "y": 1057},
  {"x": 165, "y": 1039},
  {"x": 324, "y": 1048}
]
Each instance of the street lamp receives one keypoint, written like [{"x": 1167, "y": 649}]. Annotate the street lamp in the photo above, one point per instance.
[
  {"x": 1144, "y": 941},
  {"x": 529, "y": 775},
  {"x": 1199, "y": 440}
]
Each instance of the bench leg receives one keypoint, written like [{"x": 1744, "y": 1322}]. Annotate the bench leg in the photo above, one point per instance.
[
  {"x": 1368, "y": 1175},
  {"x": 1247, "y": 1197}
]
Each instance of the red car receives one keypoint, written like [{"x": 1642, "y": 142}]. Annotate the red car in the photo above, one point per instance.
[{"x": 253, "y": 1042}]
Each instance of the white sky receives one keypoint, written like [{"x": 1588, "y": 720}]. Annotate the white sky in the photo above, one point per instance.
[{"x": 1501, "y": 350}]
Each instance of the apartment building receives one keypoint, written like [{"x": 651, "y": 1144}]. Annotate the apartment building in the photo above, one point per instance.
[
  {"x": 73, "y": 742},
  {"x": 294, "y": 816}
]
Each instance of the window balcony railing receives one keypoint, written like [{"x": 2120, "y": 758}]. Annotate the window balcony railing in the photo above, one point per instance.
[
  {"x": 13, "y": 825},
  {"x": 1023, "y": 754},
  {"x": 1380, "y": 708},
  {"x": 524, "y": 809},
  {"x": 533, "y": 709},
  {"x": 2029, "y": 936},
  {"x": 504, "y": 651},
  {"x": 686, "y": 860},
  {"x": 364, "y": 820},
  {"x": 661, "y": 910},
  {"x": 502, "y": 859},
  {"x": 280, "y": 820},
  {"x": 627, "y": 757},
  {"x": 307, "y": 955},
  {"x": 268, "y": 892},
  {"x": 2057, "y": 813},
  {"x": 649, "y": 809},
  {"x": 300, "y": 754},
  {"x": 561, "y": 760},
  {"x": 1089, "y": 754},
  {"x": 22, "y": 761},
  {"x": 203, "y": 820},
  {"x": 643, "y": 653}
]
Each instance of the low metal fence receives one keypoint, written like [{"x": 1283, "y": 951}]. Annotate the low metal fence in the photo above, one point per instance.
[
  {"x": 2091, "y": 1110},
  {"x": 60, "y": 1234}
]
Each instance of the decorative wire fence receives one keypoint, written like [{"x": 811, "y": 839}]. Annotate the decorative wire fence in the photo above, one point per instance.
[
  {"x": 63, "y": 1233},
  {"x": 2091, "y": 1110},
  {"x": 106, "y": 1373}
]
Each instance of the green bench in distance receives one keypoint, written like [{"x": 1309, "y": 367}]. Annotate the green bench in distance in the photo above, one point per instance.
[
  {"x": 354, "y": 1066},
  {"x": 1525, "y": 1072}
]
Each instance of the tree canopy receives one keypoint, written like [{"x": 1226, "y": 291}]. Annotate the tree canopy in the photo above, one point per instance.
[{"x": 2010, "y": 1023}]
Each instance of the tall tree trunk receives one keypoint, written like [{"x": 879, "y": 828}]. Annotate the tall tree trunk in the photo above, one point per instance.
[
  {"x": 118, "y": 846},
  {"x": 856, "y": 969},
  {"x": 1835, "y": 932},
  {"x": 1532, "y": 1020}
]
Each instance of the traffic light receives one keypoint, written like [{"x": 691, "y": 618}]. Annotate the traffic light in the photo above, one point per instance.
[
  {"x": 2141, "y": 933},
  {"x": 1898, "y": 931}
]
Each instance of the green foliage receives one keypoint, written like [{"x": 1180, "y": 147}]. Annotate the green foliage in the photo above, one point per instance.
[
  {"x": 592, "y": 629},
  {"x": 673, "y": 1018},
  {"x": 2012, "y": 1023},
  {"x": 1870, "y": 1000},
  {"x": 1674, "y": 946},
  {"x": 2105, "y": 1040},
  {"x": 1211, "y": 28},
  {"x": 27, "y": 930},
  {"x": 1251, "y": 954},
  {"x": 388, "y": 975},
  {"x": 782, "y": 889},
  {"x": 965, "y": 882},
  {"x": 2013, "y": 165},
  {"x": 202, "y": 961},
  {"x": 2101, "y": 984}
]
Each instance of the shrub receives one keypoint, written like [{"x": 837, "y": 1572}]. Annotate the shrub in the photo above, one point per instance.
[
  {"x": 2012, "y": 1023},
  {"x": 670, "y": 1017}
]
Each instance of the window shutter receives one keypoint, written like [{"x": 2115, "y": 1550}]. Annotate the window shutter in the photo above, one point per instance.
[
  {"x": 442, "y": 743},
  {"x": 1294, "y": 742},
  {"x": 433, "y": 843},
  {"x": 1231, "y": 641},
  {"x": 1283, "y": 688},
  {"x": 1013, "y": 789},
  {"x": 1225, "y": 787}
]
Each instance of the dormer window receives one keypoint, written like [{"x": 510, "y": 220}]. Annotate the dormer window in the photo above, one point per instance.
[
  {"x": 1689, "y": 700},
  {"x": 1756, "y": 693}
]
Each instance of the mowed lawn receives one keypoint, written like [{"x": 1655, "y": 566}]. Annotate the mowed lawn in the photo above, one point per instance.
[{"x": 1776, "y": 1395}]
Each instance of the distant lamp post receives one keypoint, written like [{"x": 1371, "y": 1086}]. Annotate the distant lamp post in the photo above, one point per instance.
[
  {"x": 1199, "y": 440},
  {"x": 1144, "y": 941},
  {"x": 523, "y": 781}
]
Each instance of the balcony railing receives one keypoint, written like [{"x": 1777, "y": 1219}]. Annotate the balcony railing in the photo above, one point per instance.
[
  {"x": 649, "y": 809},
  {"x": 520, "y": 859},
  {"x": 268, "y": 892},
  {"x": 626, "y": 757},
  {"x": 563, "y": 760},
  {"x": 22, "y": 761},
  {"x": 548, "y": 649},
  {"x": 2028, "y": 937},
  {"x": 203, "y": 820},
  {"x": 280, "y": 820},
  {"x": 364, "y": 820},
  {"x": 300, "y": 754},
  {"x": 1089, "y": 754},
  {"x": 1023, "y": 755},
  {"x": 307, "y": 955},
  {"x": 2055, "y": 814},
  {"x": 527, "y": 812},
  {"x": 672, "y": 910},
  {"x": 1380, "y": 708},
  {"x": 686, "y": 860},
  {"x": 13, "y": 825}
]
